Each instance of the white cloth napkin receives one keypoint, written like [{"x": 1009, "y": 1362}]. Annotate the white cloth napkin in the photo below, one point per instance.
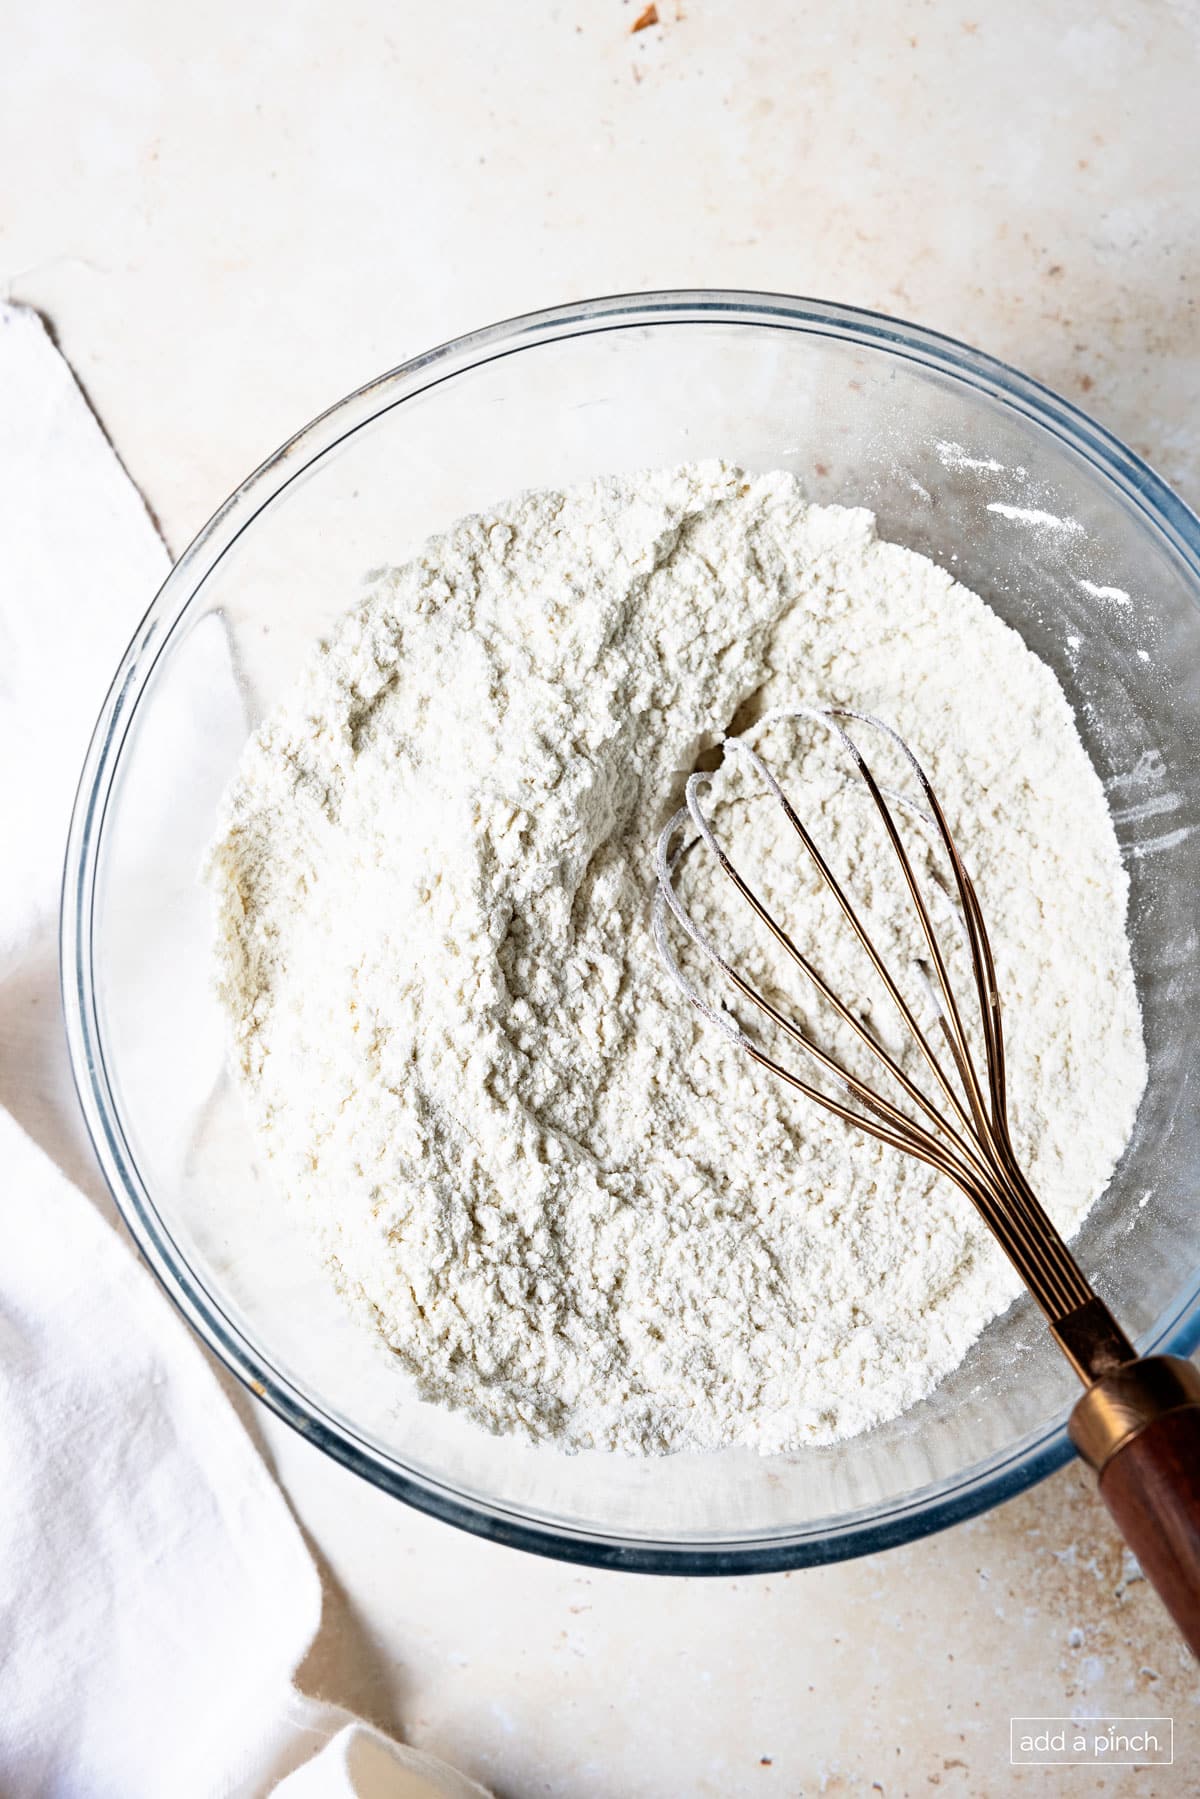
[{"x": 155, "y": 1593}]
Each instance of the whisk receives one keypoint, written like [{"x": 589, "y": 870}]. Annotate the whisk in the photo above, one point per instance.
[{"x": 1138, "y": 1422}]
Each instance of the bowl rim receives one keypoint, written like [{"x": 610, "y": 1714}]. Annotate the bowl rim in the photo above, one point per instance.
[{"x": 834, "y": 1538}]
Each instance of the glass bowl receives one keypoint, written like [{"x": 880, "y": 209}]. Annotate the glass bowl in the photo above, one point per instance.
[{"x": 1068, "y": 535}]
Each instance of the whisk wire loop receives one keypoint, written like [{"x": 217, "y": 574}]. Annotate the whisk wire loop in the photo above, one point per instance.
[{"x": 973, "y": 1147}]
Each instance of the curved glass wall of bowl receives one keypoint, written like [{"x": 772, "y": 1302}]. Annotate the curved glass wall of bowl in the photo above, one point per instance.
[{"x": 1069, "y": 536}]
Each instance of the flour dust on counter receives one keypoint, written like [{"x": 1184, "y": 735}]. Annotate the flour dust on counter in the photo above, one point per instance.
[{"x": 570, "y": 1207}]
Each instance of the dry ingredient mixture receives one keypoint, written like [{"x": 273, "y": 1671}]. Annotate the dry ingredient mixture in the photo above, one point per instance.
[{"x": 567, "y": 1203}]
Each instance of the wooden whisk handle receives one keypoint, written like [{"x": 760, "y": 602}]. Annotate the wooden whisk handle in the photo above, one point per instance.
[{"x": 1139, "y": 1428}]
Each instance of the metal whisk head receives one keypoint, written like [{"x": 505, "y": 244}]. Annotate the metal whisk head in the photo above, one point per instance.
[{"x": 963, "y": 1132}]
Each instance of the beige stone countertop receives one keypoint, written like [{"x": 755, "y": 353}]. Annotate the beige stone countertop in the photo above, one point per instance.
[{"x": 232, "y": 215}]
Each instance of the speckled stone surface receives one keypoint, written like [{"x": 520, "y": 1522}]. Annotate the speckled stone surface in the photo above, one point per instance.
[{"x": 233, "y": 215}]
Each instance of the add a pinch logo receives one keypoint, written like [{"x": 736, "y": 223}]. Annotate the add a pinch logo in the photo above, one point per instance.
[{"x": 1098, "y": 1742}]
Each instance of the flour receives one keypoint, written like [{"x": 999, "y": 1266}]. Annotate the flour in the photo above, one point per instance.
[
  {"x": 569, "y": 1205},
  {"x": 1033, "y": 515}
]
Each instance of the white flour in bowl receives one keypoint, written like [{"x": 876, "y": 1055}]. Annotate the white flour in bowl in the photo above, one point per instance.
[{"x": 567, "y": 1204}]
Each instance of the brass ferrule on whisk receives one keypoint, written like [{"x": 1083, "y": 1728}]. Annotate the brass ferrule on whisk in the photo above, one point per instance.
[{"x": 1122, "y": 1403}]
